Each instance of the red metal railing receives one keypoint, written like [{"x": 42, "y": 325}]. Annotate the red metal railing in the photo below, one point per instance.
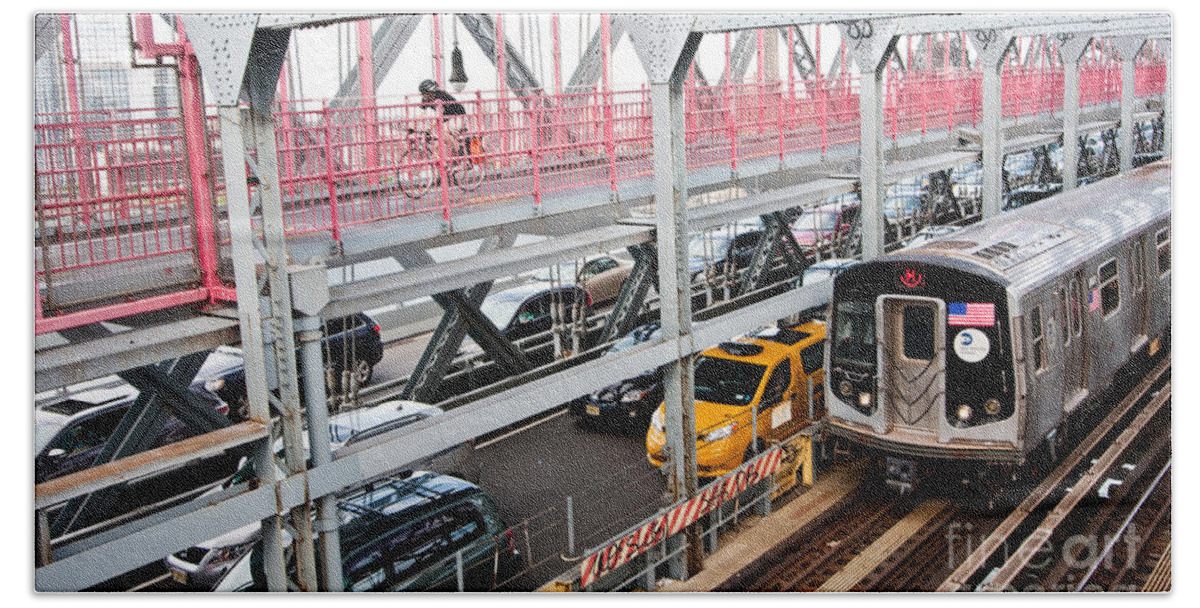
[{"x": 114, "y": 186}]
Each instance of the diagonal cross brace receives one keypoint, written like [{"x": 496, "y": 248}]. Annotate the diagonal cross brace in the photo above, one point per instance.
[
  {"x": 444, "y": 344},
  {"x": 489, "y": 338},
  {"x": 624, "y": 316}
]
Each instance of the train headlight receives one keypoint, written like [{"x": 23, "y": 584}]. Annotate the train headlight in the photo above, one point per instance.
[
  {"x": 845, "y": 388},
  {"x": 864, "y": 400},
  {"x": 992, "y": 406},
  {"x": 964, "y": 412}
]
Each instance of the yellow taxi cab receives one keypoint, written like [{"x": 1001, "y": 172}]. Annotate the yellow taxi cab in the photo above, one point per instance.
[{"x": 760, "y": 383}]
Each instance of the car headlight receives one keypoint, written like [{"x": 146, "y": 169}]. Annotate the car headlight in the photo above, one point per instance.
[
  {"x": 964, "y": 412},
  {"x": 992, "y": 406},
  {"x": 658, "y": 421},
  {"x": 214, "y": 385},
  {"x": 634, "y": 395},
  {"x": 864, "y": 399},
  {"x": 720, "y": 433}
]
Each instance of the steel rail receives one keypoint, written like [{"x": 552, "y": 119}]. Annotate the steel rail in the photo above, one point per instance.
[
  {"x": 959, "y": 577},
  {"x": 1015, "y": 564}
]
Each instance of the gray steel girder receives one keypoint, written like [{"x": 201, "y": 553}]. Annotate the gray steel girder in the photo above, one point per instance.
[
  {"x": 386, "y": 44},
  {"x": 482, "y": 28},
  {"x": 444, "y": 344},
  {"x": 624, "y": 316},
  {"x": 159, "y": 394},
  {"x": 499, "y": 348}
]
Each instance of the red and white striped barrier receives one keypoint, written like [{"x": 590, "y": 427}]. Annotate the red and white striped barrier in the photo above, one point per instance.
[{"x": 675, "y": 519}]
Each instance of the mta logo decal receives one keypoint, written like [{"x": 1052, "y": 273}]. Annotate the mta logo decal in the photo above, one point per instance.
[{"x": 912, "y": 279}]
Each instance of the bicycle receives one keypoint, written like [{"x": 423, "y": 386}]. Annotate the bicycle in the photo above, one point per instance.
[{"x": 419, "y": 171}]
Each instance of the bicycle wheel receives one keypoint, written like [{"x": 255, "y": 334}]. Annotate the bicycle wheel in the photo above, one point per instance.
[
  {"x": 417, "y": 173},
  {"x": 469, "y": 170},
  {"x": 468, "y": 174}
]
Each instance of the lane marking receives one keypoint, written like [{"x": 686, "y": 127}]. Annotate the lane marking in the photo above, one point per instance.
[
  {"x": 520, "y": 430},
  {"x": 150, "y": 582}
]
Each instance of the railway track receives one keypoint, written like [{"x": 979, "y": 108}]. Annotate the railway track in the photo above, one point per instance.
[
  {"x": 1114, "y": 484},
  {"x": 1139, "y": 425}
]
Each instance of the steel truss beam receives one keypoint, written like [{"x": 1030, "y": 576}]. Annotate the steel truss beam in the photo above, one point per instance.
[
  {"x": 482, "y": 28},
  {"x": 197, "y": 521},
  {"x": 386, "y": 44},
  {"x": 624, "y": 316}
]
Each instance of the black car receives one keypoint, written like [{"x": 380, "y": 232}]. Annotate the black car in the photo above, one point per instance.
[
  {"x": 405, "y": 533},
  {"x": 523, "y": 311},
  {"x": 351, "y": 344},
  {"x": 626, "y": 405},
  {"x": 713, "y": 250},
  {"x": 72, "y": 426}
]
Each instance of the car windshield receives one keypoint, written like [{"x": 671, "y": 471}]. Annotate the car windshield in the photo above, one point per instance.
[
  {"x": 45, "y": 430},
  {"x": 726, "y": 381},
  {"x": 854, "y": 333},
  {"x": 816, "y": 275},
  {"x": 708, "y": 245},
  {"x": 631, "y": 340},
  {"x": 500, "y": 310},
  {"x": 817, "y": 220},
  {"x": 565, "y": 272}
]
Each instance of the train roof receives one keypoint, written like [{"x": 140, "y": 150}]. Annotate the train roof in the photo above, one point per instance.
[{"x": 1028, "y": 246}]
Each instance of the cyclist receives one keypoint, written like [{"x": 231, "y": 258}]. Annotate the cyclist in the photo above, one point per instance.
[{"x": 453, "y": 113}]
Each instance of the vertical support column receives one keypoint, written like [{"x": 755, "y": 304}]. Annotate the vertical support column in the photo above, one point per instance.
[
  {"x": 250, "y": 320},
  {"x": 283, "y": 341},
  {"x": 366, "y": 70},
  {"x": 1070, "y": 48},
  {"x": 556, "y": 53},
  {"x": 1127, "y": 48},
  {"x": 310, "y": 293},
  {"x": 872, "y": 42},
  {"x": 666, "y": 48},
  {"x": 191, "y": 102},
  {"x": 992, "y": 46},
  {"x": 1168, "y": 103},
  {"x": 437, "y": 50}
]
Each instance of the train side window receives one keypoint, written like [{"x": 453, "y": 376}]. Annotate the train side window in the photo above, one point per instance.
[
  {"x": 918, "y": 332},
  {"x": 1163, "y": 241},
  {"x": 1076, "y": 307},
  {"x": 1110, "y": 287},
  {"x": 1037, "y": 340}
]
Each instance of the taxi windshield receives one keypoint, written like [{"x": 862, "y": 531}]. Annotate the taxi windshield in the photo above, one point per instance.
[{"x": 726, "y": 381}]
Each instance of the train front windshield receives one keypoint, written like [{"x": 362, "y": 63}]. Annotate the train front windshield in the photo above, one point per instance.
[{"x": 854, "y": 333}]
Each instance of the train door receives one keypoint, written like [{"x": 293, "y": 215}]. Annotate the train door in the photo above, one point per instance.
[
  {"x": 913, "y": 377},
  {"x": 1140, "y": 313},
  {"x": 1076, "y": 351}
]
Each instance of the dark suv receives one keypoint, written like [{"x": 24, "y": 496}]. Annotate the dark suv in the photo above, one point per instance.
[
  {"x": 404, "y": 532},
  {"x": 351, "y": 344}
]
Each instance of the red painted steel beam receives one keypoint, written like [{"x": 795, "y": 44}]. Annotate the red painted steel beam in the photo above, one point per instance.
[{"x": 124, "y": 309}]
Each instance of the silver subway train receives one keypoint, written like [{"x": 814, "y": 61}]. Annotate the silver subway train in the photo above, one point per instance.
[{"x": 967, "y": 353}]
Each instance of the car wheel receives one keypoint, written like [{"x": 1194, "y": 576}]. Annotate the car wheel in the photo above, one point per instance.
[{"x": 363, "y": 371}]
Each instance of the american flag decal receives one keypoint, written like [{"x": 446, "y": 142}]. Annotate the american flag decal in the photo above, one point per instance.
[
  {"x": 971, "y": 314},
  {"x": 1094, "y": 299}
]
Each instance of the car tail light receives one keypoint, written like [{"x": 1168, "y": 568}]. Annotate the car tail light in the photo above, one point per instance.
[
  {"x": 512, "y": 543},
  {"x": 589, "y": 299},
  {"x": 376, "y": 328}
]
